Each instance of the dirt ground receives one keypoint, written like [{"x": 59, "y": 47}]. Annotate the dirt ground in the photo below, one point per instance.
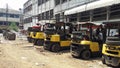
[{"x": 21, "y": 54}]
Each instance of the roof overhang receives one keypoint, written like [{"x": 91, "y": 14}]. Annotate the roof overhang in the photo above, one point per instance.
[{"x": 93, "y": 5}]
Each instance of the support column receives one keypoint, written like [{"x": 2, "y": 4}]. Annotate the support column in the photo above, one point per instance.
[
  {"x": 61, "y": 19},
  {"x": 78, "y": 17},
  {"x": 91, "y": 16},
  {"x": 108, "y": 13}
]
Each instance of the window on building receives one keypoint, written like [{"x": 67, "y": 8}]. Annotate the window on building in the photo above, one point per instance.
[
  {"x": 16, "y": 16},
  {"x": 51, "y": 13},
  {"x": 11, "y": 15},
  {"x": 40, "y": 17},
  {"x": 115, "y": 11},
  {"x": 99, "y": 14},
  {"x": 85, "y": 16},
  {"x": 1, "y": 23},
  {"x": 28, "y": 20},
  {"x": 2, "y": 14},
  {"x": 47, "y": 15},
  {"x": 64, "y": 1},
  {"x": 72, "y": 17},
  {"x": 39, "y": 2},
  {"x": 43, "y": 17},
  {"x": 57, "y": 2},
  {"x": 57, "y": 16},
  {"x": 42, "y": 1},
  {"x": 29, "y": 8}
]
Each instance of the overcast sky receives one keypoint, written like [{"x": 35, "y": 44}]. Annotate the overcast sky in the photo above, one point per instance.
[{"x": 12, "y": 4}]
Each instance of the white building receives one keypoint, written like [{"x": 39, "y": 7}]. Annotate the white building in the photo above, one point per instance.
[
  {"x": 99, "y": 11},
  {"x": 61, "y": 6},
  {"x": 8, "y": 16},
  {"x": 44, "y": 11}
]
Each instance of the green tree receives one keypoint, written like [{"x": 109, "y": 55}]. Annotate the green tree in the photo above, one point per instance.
[{"x": 13, "y": 26}]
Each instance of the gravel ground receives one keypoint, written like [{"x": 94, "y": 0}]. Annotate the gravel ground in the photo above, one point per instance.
[{"x": 21, "y": 54}]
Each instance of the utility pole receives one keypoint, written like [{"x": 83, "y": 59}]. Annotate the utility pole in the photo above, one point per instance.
[
  {"x": 6, "y": 15},
  {"x": 45, "y": 12},
  {"x": 49, "y": 11},
  {"x": 21, "y": 18},
  {"x": 41, "y": 14}
]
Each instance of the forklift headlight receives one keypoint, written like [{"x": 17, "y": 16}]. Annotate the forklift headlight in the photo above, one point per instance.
[
  {"x": 71, "y": 36},
  {"x": 45, "y": 39}
]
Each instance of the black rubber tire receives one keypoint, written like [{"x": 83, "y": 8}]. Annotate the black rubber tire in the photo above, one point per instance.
[
  {"x": 35, "y": 42},
  {"x": 46, "y": 47},
  {"x": 30, "y": 40},
  {"x": 55, "y": 48},
  {"x": 40, "y": 42},
  {"x": 86, "y": 54},
  {"x": 103, "y": 60}
]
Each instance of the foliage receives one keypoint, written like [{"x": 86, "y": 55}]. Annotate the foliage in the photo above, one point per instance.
[{"x": 13, "y": 26}]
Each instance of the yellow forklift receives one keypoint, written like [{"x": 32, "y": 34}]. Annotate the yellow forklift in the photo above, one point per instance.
[
  {"x": 60, "y": 39},
  {"x": 38, "y": 35},
  {"x": 111, "y": 48},
  {"x": 49, "y": 29},
  {"x": 86, "y": 43},
  {"x": 29, "y": 34}
]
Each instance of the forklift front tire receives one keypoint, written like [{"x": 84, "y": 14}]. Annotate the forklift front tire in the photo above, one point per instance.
[
  {"x": 55, "y": 48},
  {"x": 35, "y": 41},
  {"x": 86, "y": 54}
]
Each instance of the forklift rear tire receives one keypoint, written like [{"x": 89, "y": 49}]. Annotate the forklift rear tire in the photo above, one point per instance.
[
  {"x": 86, "y": 54},
  {"x": 103, "y": 60},
  {"x": 40, "y": 42},
  {"x": 45, "y": 46},
  {"x": 55, "y": 48},
  {"x": 35, "y": 41},
  {"x": 29, "y": 40}
]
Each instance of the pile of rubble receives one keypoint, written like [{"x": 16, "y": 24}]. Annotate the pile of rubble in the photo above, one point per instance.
[{"x": 8, "y": 35}]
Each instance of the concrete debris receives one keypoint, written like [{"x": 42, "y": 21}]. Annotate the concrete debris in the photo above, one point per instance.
[
  {"x": 39, "y": 64},
  {"x": 24, "y": 58}
]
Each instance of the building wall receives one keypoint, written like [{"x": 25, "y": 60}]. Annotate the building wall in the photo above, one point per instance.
[
  {"x": 98, "y": 15},
  {"x": 46, "y": 6},
  {"x": 8, "y": 15},
  {"x": 63, "y": 6},
  {"x": 45, "y": 12},
  {"x": 30, "y": 13},
  {"x": 70, "y": 4}
]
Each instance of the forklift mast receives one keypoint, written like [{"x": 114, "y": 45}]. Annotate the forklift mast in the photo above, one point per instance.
[{"x": 63, "y": 25}]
